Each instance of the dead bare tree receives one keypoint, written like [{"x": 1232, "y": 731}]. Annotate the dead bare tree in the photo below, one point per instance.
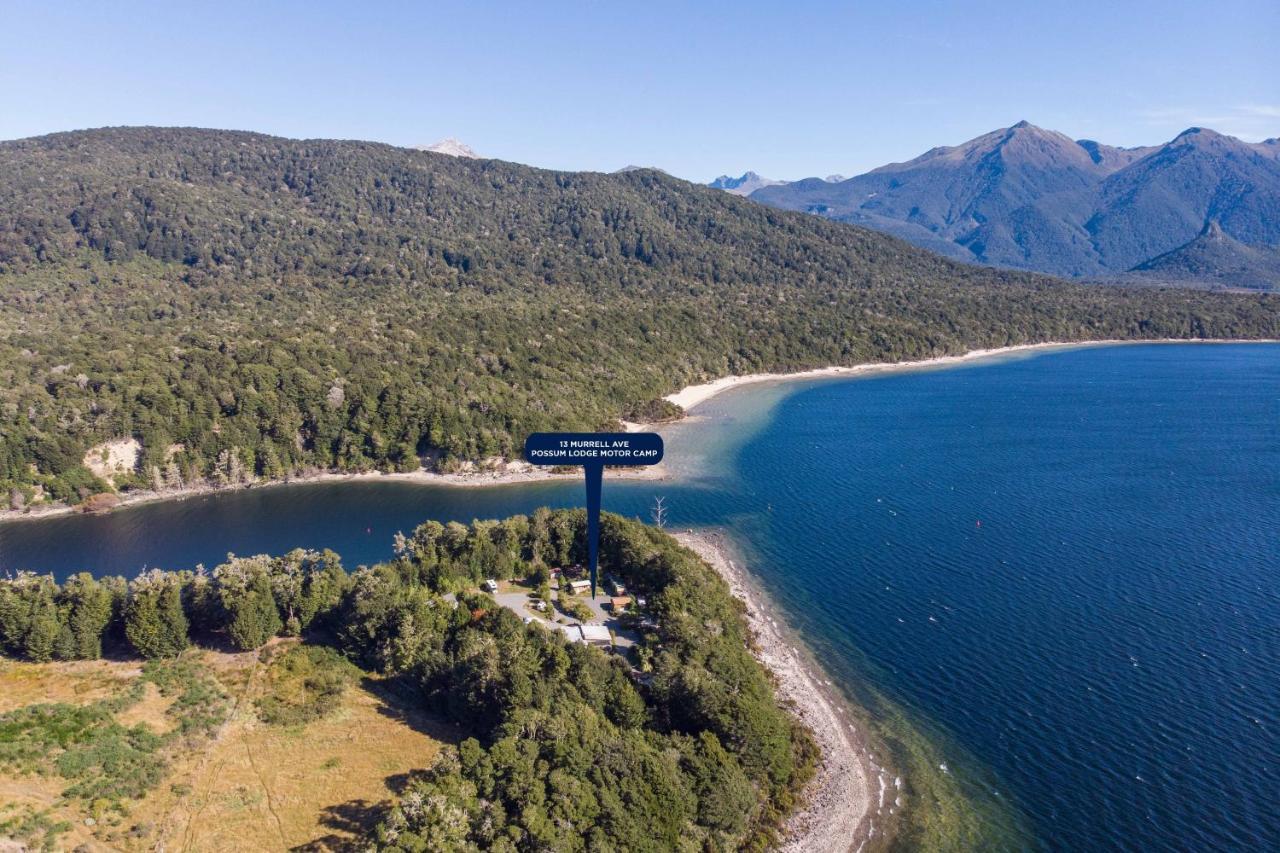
[{"x": 659, "y": 512}]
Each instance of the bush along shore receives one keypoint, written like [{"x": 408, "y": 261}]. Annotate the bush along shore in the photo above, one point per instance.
[{"x": 682, "y": 745}]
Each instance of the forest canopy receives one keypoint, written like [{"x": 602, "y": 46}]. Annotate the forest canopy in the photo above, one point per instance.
[
  {"x": 681, "y": 747},
  {"x": 249, "y": 306}
]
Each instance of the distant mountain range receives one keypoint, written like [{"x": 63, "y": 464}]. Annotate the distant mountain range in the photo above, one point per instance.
[
  {"x": 751, "y": 181},
  {"x": 1034, "y": 199},
  {"x": 282, "y": 305},
  {"x": 745, "y": 185},
  {"x": 632, "y": 167},
  {"x": 451, "y": 146}
]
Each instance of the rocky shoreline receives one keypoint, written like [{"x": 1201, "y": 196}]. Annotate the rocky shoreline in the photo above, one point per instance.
[{"x": 853, "y": 799}]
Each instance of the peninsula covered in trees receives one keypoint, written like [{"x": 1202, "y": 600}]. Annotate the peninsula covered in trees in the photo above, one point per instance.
[
  {"x": 236, "y": 305},
  {"x": 562, "y": 746}
]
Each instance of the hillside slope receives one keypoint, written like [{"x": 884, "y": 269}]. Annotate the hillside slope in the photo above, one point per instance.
[
  {"x": 245, "y": 305},
  {"x": 1163, "y": 200},
  {"x": 1214, "y": 258}
]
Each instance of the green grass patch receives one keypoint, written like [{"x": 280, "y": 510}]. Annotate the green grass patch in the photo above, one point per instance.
[
  {"x": 201, "y": 704},
  {"x": 37, "y": 828},
  {"x": 106, "y": 762},
  {"x": 304, "y": 685},
  {"x": 85, "y": 744}
]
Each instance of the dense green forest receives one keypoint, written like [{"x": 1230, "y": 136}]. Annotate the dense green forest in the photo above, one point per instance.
[
  {"x": 248, "y": 306},
  {"x": 569, "y": 748}
]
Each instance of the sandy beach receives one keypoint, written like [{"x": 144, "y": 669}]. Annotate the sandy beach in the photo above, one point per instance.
[
  {"x": 688, "y": 397},
  {"x": 846, "y": 801},
  {"x": 517, "y": 471}
]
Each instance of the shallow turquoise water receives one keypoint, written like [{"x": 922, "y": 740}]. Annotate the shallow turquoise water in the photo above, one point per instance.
[{"x": 1067, "y": 567}]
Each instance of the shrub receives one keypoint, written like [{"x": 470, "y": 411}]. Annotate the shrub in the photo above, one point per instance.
[{"x": 306, "y": 684}]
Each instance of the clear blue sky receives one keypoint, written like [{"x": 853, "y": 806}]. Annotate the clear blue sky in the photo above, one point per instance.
[{"x": 786, "y": 88}]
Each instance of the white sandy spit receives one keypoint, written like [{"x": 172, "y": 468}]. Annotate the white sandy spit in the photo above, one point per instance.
[
  {"x": 687, "y": 398},
  {"x": 838, "y": 813}
]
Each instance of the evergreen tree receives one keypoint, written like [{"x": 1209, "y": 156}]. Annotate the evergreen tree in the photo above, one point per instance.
[
  {"x": 89, "y": 605},
  {"x": 155, "y": 623},
  {"x": 726, "y": 797},
  {"x": 29, "y": 617},
  {"x": 201, "y": 602},
  {"x": 15, "y": 614},
  {"x": 244, "y": 588},
  {"x": 42, "y": 632},
  {"x": 254, "y": 619},
  {"x": 64, "y": 647},
  {"x": 307, "y": 585}
]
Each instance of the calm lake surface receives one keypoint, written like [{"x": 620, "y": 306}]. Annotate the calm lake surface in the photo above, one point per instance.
[{"x": 1065, "y": 567}]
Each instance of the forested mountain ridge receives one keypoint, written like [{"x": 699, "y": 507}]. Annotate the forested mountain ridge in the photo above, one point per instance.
[
  {"x": 1214, "y": 257},
  {"x": 246, "y": 305}
]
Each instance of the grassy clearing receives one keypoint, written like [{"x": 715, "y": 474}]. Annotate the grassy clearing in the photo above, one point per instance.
[
  {"x": 75, "y": 682},
  {"x": 154, "y": 710},
  {"x": 104, "y": 761},
  {"x": 96, "y": 758},
  {"x": 209, "y": 752}
]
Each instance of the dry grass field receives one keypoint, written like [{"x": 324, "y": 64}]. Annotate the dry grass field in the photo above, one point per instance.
[{"x": 244, "y": 785}]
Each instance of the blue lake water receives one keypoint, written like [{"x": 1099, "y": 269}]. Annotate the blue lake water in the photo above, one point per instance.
[{"x": 1065, "y": 567}]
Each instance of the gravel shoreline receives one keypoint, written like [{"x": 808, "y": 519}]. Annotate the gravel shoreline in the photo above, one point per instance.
[{"x": 852, "y": 797}]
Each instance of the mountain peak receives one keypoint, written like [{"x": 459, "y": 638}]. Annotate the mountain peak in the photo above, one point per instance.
[
  {"x": 451, "y": 146},
  {"x": 1025, "y": 143},
  {"x": 1022, "y": 142},
  {"x": 1198, "y": 135},
  {"x": 745, "y": 185},
  {"x": 1026, "y": 130}
]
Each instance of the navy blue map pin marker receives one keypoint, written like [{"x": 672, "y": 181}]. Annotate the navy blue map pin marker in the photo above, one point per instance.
[{"x": 593, "y": 451}]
